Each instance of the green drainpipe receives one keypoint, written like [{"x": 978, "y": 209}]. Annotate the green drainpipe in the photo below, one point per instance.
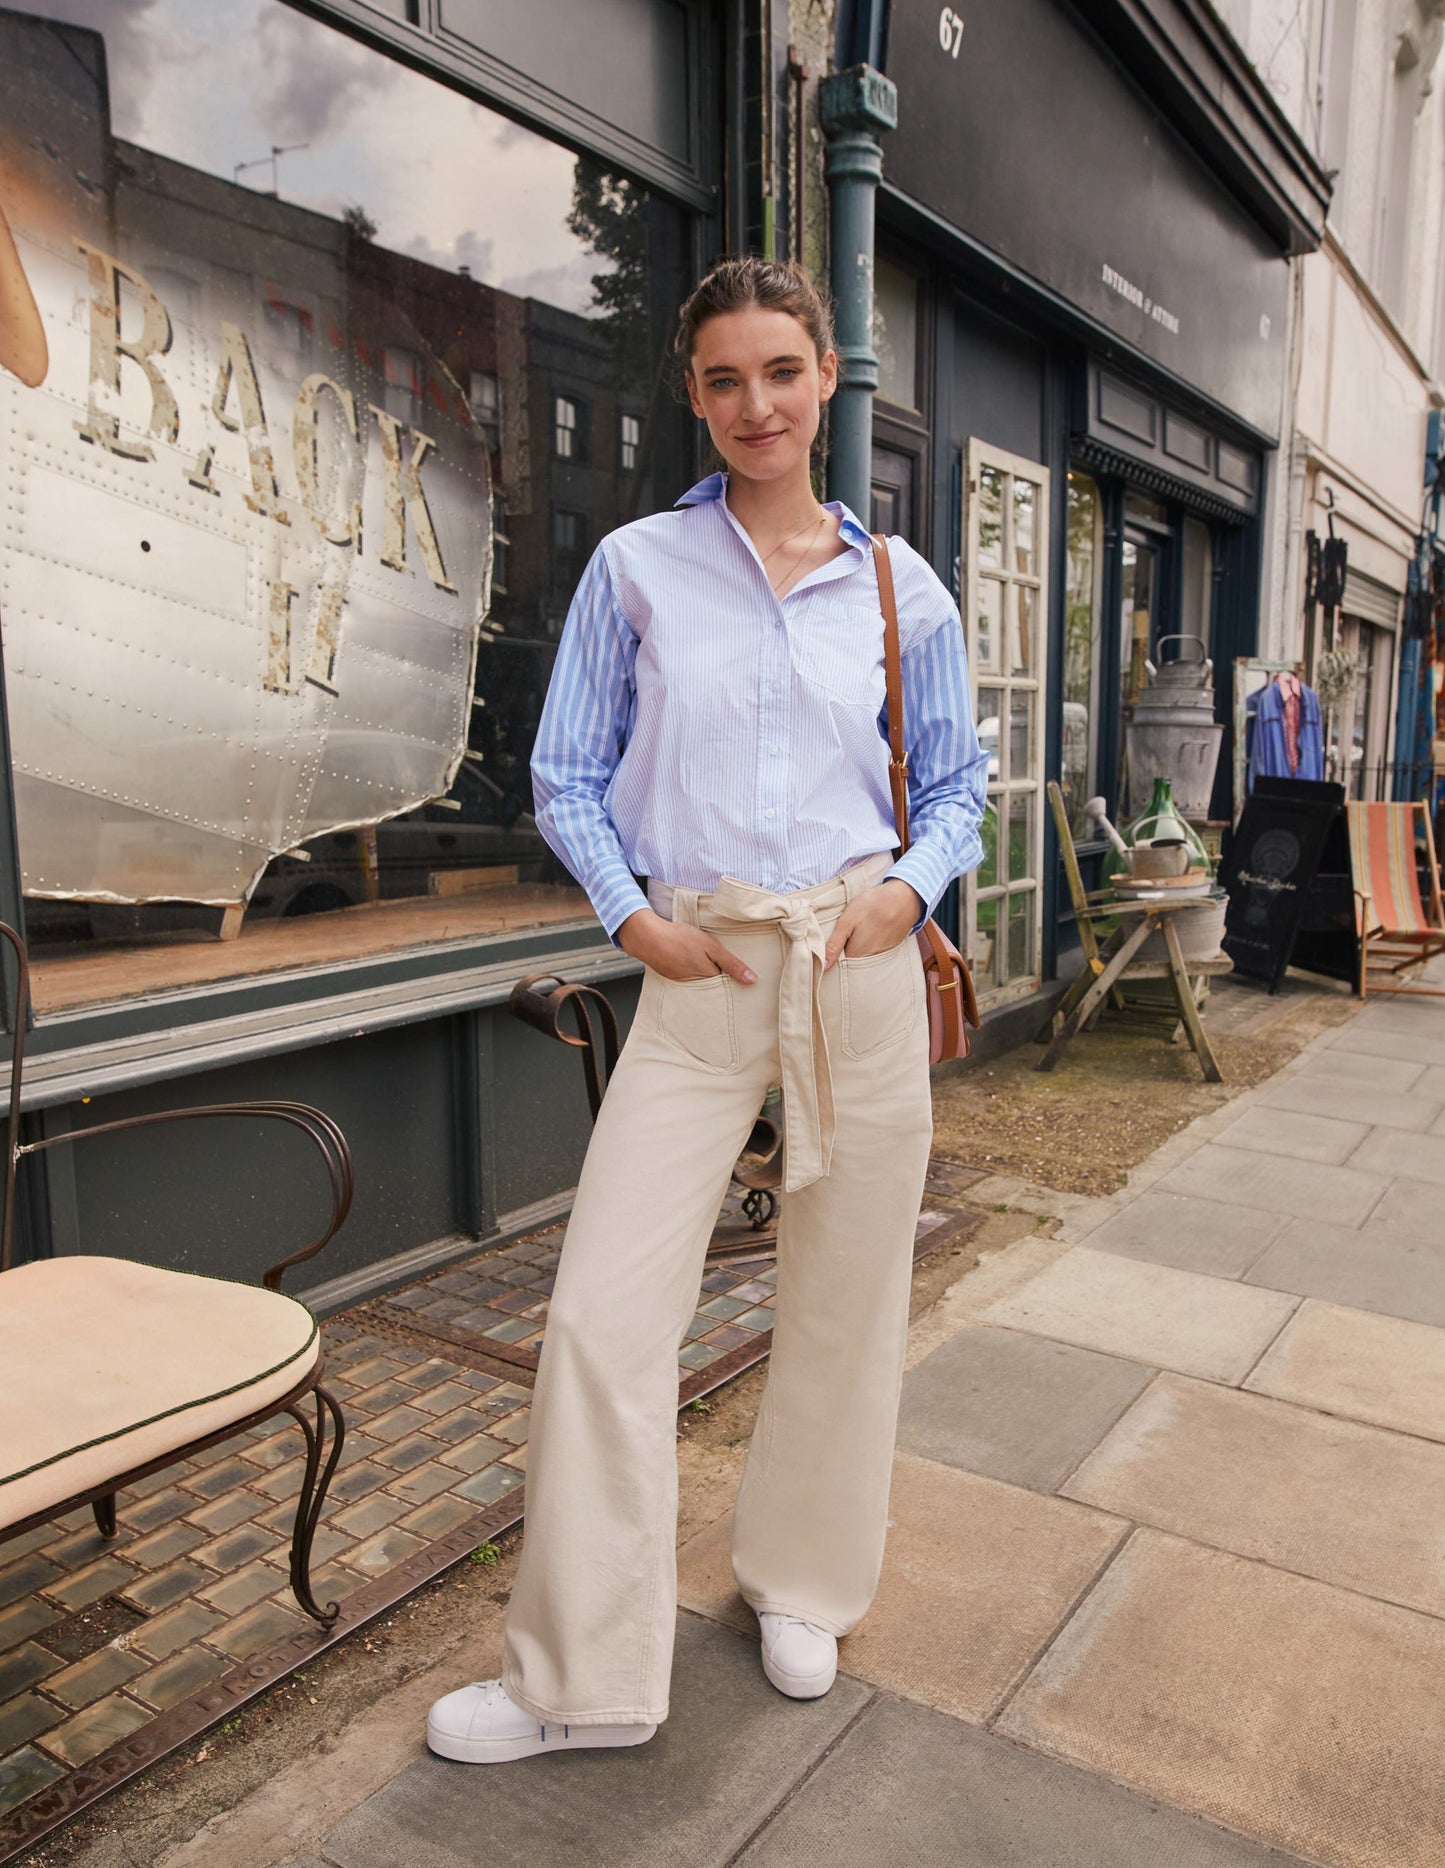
[{"x": 856, "y": 106}]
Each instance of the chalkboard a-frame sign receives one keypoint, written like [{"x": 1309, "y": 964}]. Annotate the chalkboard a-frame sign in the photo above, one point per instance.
[{"x": 1274, "y": 856}]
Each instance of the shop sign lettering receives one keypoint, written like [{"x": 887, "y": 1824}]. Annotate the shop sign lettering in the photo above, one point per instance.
[
  {"x": 1135, "y": 295},
  {"x": 237, "y": 384}
]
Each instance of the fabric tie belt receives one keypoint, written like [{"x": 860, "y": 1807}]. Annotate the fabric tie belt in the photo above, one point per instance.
[{"x": 807, "y": 1078}]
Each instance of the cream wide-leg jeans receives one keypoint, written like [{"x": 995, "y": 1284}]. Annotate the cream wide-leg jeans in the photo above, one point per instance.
[{"x": 592, "y": 1615}]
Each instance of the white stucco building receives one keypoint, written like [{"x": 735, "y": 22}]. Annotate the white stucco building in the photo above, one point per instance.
[{"x": 1360, "y": 80}]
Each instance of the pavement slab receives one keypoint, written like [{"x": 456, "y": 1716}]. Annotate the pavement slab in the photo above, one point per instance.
[
  {"x": 908, "y": 1785},
  {"x": 1266, "y": 1129},
  {"x": 1333, "y": 1065},
  {"x": 1347, "y": 1503},
  {"x": 1414, "y": 1206},
  {"x": 976, "y": 1578},
  {"x": 1307, "y": 1716},
  {"x": 1148, "y": 1313},
  {"x": 1416, "y": 1157},
  {"x": 1189, "y": 1233},
  {"x": 1014, "y": 1407},
  {"x": 1421, "y": 1042},
  {"x": 1373, "y": 1267},
  {"x": 1278, "y": 1184},
  {"x": 1385, "y": 1108},
  {"x": 689, "y": 1798},
  {"x": 1364, "y": 1366}
]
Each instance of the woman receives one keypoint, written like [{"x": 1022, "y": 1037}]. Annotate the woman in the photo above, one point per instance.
[{"x": 713, "y": 723}]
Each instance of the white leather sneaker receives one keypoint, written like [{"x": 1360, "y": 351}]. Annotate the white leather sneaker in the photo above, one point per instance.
[
  {"x": 481, "y": 1725},
  {"x": 799, "y": 1659}
]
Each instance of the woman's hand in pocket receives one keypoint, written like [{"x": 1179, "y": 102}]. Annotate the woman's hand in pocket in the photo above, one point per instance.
[
  {"x": 875, "y": 921},
  {"x": 677, "y": 950}
]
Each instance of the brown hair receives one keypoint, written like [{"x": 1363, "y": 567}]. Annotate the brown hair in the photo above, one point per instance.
[{"x": 735, "y": 284}]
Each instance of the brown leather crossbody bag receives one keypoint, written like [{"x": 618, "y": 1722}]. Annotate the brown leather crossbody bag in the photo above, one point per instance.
[{"x": 952, "y": 1006}]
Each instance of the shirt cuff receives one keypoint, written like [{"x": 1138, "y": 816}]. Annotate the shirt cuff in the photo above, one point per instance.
[
  {"x": 915, "y": 868},
  {"x": 614, "y": 897}
]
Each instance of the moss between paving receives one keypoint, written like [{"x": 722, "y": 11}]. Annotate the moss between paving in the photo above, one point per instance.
[{"x": 1119, "y": 1091}]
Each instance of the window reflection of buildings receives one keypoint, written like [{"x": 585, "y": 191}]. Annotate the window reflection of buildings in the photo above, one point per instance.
[
  {"x": 522, "y": 367},
  {"x": 485, "y": 398},
  {"x": 446, "y": 346}
]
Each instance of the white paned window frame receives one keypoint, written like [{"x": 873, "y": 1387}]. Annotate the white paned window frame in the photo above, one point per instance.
[{"x": 1006, "y": 577}]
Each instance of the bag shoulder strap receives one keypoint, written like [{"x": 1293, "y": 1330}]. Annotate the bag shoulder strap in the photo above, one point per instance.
[
  {"x": 893, "y": 674},
  {"x": 949, "y": 972}
]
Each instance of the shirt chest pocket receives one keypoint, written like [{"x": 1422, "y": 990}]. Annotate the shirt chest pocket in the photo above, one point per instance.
[{"x": 839, "y": 649}]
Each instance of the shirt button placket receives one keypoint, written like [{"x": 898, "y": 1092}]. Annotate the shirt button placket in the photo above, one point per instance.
[{"x": 772, "y": 738}]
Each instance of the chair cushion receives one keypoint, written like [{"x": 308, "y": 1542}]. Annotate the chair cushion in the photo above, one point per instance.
[{"x": 106, "y": 1365}]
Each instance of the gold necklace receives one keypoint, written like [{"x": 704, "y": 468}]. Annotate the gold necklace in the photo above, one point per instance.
[
  {"x": 811, "y": 526},
  {"x": 789, "y": 580}
]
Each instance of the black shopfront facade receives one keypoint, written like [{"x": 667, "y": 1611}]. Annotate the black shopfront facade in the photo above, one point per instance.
[
  {"x": 338, "y": 348},
  {"x": 1082, "y": 307}
]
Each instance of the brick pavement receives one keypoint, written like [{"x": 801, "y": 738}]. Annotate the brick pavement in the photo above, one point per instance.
[{"x": 98, "y": 1637}]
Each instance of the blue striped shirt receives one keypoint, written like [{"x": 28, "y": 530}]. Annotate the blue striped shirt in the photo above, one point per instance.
[{"x": 698, "y": 726}]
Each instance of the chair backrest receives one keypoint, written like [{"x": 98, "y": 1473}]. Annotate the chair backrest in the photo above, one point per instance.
[
  {"x": 540, "y": 1000},
  {"x": 1066, "y": 849},
  {"x": 1385, "y": 865}
]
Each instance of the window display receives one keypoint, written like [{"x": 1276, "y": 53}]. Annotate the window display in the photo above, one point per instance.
[
  {"x": 302, "y": 453},
  {"x": 1082, "y": 614}
]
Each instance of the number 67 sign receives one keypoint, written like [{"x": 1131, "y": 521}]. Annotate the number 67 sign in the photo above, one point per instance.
[{"x": 950, "y": 31}]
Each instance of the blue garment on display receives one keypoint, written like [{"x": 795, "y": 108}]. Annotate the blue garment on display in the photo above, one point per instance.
[{"x": 1268, "y": 757}]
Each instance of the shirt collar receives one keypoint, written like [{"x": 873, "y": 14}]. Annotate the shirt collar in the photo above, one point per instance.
[{"x": 714, "y": 490}]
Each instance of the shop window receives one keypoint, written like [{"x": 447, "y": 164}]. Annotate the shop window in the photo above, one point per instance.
[
  {"x": 1357, "y": 727},
  {"x": 631, "y": 442},
  {"x": 1005, "y": 528},
  {"x": 1146, "y": 616},
  {"x": 260, "y": 684},
  {"x": 895, "y": 333},
  {"x": 1083, "y": 615},
  {"x": 1196, "y": 615}
]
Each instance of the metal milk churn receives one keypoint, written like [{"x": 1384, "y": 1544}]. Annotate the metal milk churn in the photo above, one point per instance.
[{"x": 1173, "y": 733}]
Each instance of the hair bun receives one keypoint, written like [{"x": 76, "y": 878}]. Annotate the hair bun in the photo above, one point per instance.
[{"x": 772, "y": 284}]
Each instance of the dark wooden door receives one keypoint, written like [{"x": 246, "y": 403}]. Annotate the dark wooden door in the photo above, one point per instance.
[{"x": 892, "y": 502}]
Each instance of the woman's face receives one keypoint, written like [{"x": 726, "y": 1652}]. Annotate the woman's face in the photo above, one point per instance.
[{"x": 759, "y": 384}]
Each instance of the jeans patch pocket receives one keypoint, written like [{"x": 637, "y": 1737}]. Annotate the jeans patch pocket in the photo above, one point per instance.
[
  {"x": 879, "y": 1003},
  {"x": 697, "y": 1016}
]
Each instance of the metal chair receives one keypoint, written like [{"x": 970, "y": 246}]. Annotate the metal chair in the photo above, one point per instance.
[{"x": 98, "y": 1455}]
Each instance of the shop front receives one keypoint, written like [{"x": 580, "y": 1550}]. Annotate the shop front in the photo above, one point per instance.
[
  {"x": 1082, "y": 317},
  {"x": 331, "y": 342},
  {"x": 1364, "y": 411}
]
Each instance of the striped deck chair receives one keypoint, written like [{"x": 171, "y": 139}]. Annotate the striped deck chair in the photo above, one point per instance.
[{"x": 1395, "y": 930}]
